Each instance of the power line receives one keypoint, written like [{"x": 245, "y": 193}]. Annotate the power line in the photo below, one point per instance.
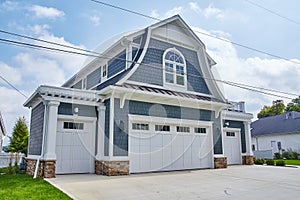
[
  {"x": 234, "y": 84},
  {"x": 11, "y": 85},
  {"x": 273, "y": 12},
  {"x": 212, "y": 36}
]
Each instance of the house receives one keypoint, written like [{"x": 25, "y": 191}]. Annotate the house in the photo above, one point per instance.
[
  {"x": 2, "y": 132},
  {"x": 276, "y": 134},
  {"x": 149, "y": 102}
]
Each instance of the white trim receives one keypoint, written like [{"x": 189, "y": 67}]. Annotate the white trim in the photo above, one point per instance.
[
  {"x": 76, "y": 117},
  {"x": 237, "y": 116},
  {"x": 33, "y": 157},
  {"x": 145, "y": 48},
  {"x": 111, "y": 126},
  {"x": 174, "y": 85},
  {"x": 115, "y": 158}
]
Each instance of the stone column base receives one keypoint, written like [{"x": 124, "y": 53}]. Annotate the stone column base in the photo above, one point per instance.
[
  {"x": 46, "y": 168},
  {"x": 112, "y": 168},
  {"x": 220, "y": 162},
  {"x": 248, "y": 160}
]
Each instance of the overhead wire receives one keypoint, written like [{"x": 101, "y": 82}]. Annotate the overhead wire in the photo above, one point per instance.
[
  {"x": 273, "y": 12},
  {"x": 234, "y": 84},
  {"x": 200, "y": 32}
]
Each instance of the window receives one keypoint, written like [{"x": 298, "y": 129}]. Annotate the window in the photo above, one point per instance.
[
  {"x": 200, "y": 130},
  {"x": 253, "y": 147},
  {"x": 230, "y": 134},
  {"x": 183, "y": 129},
  {"x": 140, "y": 126},
  {"x": 174, "y": 67},
  {"x": 73, "y": 125},
  {"x": 162, "y": 128},
  {"x": 104, "y": 71}
]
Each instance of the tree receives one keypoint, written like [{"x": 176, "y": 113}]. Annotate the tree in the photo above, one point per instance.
[
  {"x": 19, "y": 140},
  {"x": 294, "y": 105},
  {"x": 277, "y": 108}
]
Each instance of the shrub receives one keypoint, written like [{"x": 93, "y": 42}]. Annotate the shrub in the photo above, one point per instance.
[
  {"x": 277, "y": 156},
  {"x": 280, "y": 163},
  {"x": 259, "y": 161},
  {"x": 270, "y": 162}
]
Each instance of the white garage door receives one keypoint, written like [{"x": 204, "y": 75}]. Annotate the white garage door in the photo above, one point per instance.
[
  {"x": 159, "y": 144},
  {"x": 75, "y": 147},
  {"x": 232, "y": 147}
]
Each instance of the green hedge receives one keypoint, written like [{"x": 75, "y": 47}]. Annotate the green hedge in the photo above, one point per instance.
[
  {"x": 270, "y": 162},
  {"x": 280, "y": 163},
  {"x": 259, "y": 161}
]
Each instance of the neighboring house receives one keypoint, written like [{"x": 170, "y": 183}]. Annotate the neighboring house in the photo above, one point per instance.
[
  {"x": 148, "y": 103},
  {"x": 276, "y": 134},
  {"x": 2, "y": 132}
]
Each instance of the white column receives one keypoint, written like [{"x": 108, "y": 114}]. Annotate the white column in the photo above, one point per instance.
[
  {"x": 101, "y": 132},
  {"x": 248, "y": 138},
  {"x": 50, "y": 130}
]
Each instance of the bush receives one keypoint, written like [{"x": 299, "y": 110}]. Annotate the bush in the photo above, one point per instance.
[
  {"x": 259, "y": 161},
  {"x": 270, "y": 162},
  {"x": 290, "y": 155},
  {"x": 277, "y": 156},
  {"x": 280, "y": 163}
]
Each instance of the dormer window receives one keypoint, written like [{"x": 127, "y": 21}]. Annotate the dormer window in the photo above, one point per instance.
[
  {"x": 174, "y": 68},
  {"x": 104, "y": 72}
]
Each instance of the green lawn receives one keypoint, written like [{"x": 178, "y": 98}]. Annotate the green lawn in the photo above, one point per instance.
[
  {"x": 22, "y": 186},
  {"x": 291, "y": 162}
]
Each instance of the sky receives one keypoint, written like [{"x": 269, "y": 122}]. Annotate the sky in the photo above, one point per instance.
[{"x": 86, "y": 24}]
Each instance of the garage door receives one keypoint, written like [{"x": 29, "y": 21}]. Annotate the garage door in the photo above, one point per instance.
[
  {"x": 165, "y": 145},
  {"x": 232, "y": 147},
  {"x": 75, "y": 143}
]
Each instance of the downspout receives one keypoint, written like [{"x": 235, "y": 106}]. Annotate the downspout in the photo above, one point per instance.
[{"x": 43, "y": 141}]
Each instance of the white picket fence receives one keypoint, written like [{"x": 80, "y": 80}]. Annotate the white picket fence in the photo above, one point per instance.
[{"x": 6, "y": 158}]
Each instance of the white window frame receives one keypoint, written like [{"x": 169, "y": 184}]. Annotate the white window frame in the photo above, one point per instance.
[
  {"x": 104, "y": 77},
  {"x": 174, "y": 72}
]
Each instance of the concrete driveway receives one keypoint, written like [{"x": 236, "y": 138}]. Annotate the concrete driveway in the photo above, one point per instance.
[{"x": 235, "y": 182}]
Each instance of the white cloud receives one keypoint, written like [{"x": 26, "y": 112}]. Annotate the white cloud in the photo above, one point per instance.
[
  {"x": 11, "y": 74},
  {"x": 169, "y": 13},
  {"x": 194, "y": 7},
  {"x": 212, "y": 11},
  {"x": 9, "y": 5},
  {"x": 95, "y": 19},
  {"x": 254, "y": 71},
  {"x": 46, "y": 12}
]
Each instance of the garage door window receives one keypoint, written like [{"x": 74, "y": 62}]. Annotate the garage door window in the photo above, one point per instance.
[
  {"x": 200, "y": 130},
  {"x": 140, "y": 126},
  {"x": 162, "y": 128},
  {"x": 73, "y": 125},
  {"x": 183, "y": 129},
  {"x": 230, "y": 134}
]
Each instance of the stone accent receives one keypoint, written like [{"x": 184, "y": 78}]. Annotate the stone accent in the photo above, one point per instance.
[
  {"x": 220, "y": 162},
  {"x": 112, "y": 168},
  {"x": 248, "y": 160},
  {"x": 46, "y": 168}
]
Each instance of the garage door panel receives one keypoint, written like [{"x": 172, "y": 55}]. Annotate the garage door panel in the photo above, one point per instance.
[
  {"x": 74, "y": 149},
  {"x": 156, "y": 161},
  {"x": 157, "y": 140},
  {"x": 167, "y": 140},
  {"x": 232, "y": 149}
]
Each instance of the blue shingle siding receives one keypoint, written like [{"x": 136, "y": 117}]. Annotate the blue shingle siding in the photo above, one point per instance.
[
  {"x": 68, "y": 108},
  {"x": 93, "y": 78},
  {"x": 120, "y": 129},
  {"x": 106, "y": 129},
  {"x": 239, "y": 125},
  {"x": 217, "y": 135},
  {"x": 116, "y": 65},
  {"x": 161, "y": 110},
  {"x": 36, "y": 130},
  {"x": 78, "y": 85},
  {"x": 151, "y": 69}
]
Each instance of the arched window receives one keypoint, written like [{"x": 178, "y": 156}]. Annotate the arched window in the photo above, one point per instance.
[{"x": 174, "y": 68}]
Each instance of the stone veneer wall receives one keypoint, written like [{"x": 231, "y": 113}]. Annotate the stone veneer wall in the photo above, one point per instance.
[
  {"x": 248, "y": 160},
  {"x": 220, "y": 162},
  {"x": 112, "y": 168},
  {"x": 46, "y": 168}
]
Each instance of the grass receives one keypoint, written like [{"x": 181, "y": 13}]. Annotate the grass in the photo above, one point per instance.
[
  {"x": 23, "y": 186},
  {"x": 291, "y": 162}
]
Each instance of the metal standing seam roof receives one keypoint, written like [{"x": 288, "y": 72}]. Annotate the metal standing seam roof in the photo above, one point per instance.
[
  {"x": 288, "y": 122},
  {"x": 169, "y": 92}
]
